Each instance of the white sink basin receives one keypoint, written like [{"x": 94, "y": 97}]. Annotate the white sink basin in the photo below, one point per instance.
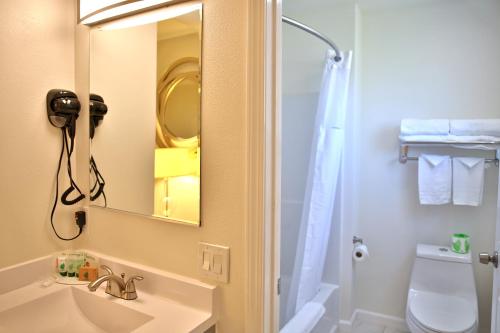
[
  {"x": 71, "y": 310},
  {"x": 166, "y": 302}
]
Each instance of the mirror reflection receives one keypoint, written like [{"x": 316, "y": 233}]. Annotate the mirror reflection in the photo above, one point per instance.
[{"x": 145, "y": 113}]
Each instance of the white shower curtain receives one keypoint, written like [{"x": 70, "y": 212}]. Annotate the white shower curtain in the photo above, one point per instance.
[{"x": 322, "y": 180}]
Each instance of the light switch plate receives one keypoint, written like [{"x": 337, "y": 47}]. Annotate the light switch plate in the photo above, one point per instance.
[{"x": 213, "y": 261}]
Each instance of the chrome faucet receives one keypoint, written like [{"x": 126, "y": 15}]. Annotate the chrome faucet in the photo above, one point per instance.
[{"x": 116, "y": 285}]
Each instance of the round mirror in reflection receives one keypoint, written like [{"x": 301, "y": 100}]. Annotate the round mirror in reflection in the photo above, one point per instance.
[
  {"x": 178, "y": 114},
  {"x": 182, "y": 109}
]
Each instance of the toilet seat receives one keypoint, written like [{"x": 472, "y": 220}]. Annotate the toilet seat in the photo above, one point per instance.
[
  {"x": 441, "y": 313},
  {"x": 416, "y": 327}
]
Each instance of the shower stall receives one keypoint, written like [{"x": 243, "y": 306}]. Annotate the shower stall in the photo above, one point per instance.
[{"x": 316, "y": 84}]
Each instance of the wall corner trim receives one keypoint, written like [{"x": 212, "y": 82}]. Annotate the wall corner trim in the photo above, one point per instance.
[{"x": 261, "y": 243}]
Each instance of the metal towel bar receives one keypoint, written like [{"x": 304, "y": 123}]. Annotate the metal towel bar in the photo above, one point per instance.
[{"x": 404, "y": 148}]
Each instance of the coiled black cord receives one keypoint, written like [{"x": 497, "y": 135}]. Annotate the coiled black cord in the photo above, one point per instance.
[
  {"x": 69, "y": 151},
  {"x": 98, "y": 188}
]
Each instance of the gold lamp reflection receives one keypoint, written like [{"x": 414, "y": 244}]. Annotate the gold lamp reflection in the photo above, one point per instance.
[{"x": 177, "y": 183}]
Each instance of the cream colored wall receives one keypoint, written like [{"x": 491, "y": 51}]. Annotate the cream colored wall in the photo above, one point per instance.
[
  {"x": 37, "y": 54},
  {"x": 37, "y": 43},
  {"x": 123, "y": 72},
  {"x": 174, "y": 247},
  {"x": 415, "y": 70}
]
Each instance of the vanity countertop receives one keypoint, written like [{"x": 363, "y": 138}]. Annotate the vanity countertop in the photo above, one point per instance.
[{"x": 166, "y": 302}]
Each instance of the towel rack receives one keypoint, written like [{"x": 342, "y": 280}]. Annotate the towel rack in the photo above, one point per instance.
[{"x": 404, "y": 148}]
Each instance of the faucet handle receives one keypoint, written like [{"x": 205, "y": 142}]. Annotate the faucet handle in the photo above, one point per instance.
[
  {"x": 107, "y": 269},
  {"x": 130, "y": 292},
  {"x": 130, "y": 282},
  {"x": 136, "y": 277}
]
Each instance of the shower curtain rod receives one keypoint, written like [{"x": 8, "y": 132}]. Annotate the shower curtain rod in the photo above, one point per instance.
[{"x": 315, "y": 33}]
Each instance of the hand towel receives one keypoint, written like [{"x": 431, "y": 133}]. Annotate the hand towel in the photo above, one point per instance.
[
  {"x": 468, "y": 181},
  {"x": 425, "y": 127},
  {"x": 434, "y": 179},
  {"x": 488, "y": 127}
]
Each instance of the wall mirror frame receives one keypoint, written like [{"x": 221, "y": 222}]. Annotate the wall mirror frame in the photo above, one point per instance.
[{"x": 145, "y": 113}]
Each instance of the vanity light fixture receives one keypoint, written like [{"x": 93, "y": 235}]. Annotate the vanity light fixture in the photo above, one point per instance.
[
  {"x": 156, "y": 15},
  {"x": 92, "y": 12}
]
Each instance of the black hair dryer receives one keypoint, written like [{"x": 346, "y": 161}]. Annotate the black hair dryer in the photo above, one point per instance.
[
  {"x": 97, "y": 112},
  {"x": 63, "y": 107}
]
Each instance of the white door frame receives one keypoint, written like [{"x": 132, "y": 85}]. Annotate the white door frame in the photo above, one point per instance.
[
  {"x": 495, "y": 310},
  {"x": 263, "y": 161}
]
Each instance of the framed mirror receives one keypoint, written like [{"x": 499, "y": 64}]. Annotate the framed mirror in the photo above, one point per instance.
[{"x": 145, "y": 115}]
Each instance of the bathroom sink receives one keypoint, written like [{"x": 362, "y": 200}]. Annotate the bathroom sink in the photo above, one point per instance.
[
  {"x": 71, "y": 310},
  {"x": 31, "y": 300}
]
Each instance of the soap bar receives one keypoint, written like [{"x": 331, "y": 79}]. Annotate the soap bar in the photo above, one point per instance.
[{"x": 87, "y": 274}]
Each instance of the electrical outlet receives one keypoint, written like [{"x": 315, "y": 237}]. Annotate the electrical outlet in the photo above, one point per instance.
[
  {"x": 86, "y": 228},
  {"x": 214, "y": 261}
]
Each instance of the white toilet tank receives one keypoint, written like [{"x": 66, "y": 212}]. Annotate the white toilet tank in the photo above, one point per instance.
[
  {"x": 438, "y": 269},
  {"x": 442, "y": 294}
]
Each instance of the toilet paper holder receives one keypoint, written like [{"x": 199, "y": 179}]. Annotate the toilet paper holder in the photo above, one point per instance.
[
  {"x": 357, "y": 240},
  {"x": 360, "y": 251}
]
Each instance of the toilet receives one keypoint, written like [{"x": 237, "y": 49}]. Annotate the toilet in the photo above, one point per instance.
[{"x": 442, "y": 294}]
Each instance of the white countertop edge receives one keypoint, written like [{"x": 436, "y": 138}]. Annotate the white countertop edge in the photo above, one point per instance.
[{"x": 22, "y": 282}]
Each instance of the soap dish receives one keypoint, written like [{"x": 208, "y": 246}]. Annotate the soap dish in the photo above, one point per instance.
[{"x": 69, "y": 280}]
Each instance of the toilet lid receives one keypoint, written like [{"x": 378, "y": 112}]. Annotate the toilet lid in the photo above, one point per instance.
[{"x": 442, "y": 313}]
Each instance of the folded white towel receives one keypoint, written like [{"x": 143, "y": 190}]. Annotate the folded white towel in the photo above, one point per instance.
[
  {"x": 306, "y": 319},
  {"x": 468, "y": 181},
  {"x": 451, "y": 139},
  {"x": 489, "y": 127},
  {"x": 434, "y": 179},
  {"x": 425, "y": 127}
]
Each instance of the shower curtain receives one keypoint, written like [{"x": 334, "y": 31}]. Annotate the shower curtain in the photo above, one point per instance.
[{"x": 323, "y": 177}]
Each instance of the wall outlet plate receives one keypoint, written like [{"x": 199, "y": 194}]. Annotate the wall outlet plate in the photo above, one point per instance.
[{"x": 213, "y": 261}]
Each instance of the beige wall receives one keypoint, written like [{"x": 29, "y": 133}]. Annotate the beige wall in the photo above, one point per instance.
[
  {"x": 174, "y": 247},
  {"x": 37, "y": 54},
  {"x": 123, "y": 72},
  {"x": 415, "y": 70},
  {"x": 37, "y": 44}
]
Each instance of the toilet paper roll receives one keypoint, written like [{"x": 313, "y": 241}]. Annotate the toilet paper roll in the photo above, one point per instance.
[{"x": 360, "y": 253}]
